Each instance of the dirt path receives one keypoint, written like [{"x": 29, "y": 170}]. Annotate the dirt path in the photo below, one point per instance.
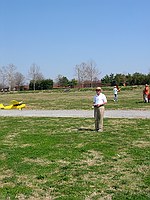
[{"x": 76, "y": 113}]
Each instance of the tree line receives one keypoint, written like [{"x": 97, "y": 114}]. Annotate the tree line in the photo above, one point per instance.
[
  {"x": 11, "y": 79},
  {"x": 86, "y": 75},
  {"x": 129, "y": 79}
]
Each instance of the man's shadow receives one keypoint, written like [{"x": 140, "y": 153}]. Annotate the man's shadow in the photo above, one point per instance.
[
  {"x": 140, "y": 102},
  {"x": 85, "y": 129}
]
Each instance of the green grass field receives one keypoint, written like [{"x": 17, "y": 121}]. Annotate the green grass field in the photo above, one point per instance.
[
  {"x": 129, "y": 98},
  {"x": 65, "y": 159}
]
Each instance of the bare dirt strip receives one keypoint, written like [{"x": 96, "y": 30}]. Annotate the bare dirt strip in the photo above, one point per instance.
[{"x": 76, "y": 113}]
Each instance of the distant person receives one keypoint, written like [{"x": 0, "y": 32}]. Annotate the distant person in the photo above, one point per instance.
[
  {"x": 99, "y": 101},
  {"x": 149, "y": 98},
  {"x": 115, "y": 91},
  {"x": 146, "y": 93}
]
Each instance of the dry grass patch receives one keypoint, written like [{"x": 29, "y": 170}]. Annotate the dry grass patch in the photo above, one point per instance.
[
  {"x": 33, "y": 183},
  {"x": 6, "y": 173},
  {"x": 38, "y": 161},
  {"x": 92, "y": 158},
  {"x": 141, "y": 144}
]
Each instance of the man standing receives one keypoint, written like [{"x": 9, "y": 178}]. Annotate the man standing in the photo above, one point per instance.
[
  {"x": 98, "y": 102},
  {"x": 146, "y": 93},
  {"x": 115, "y": 90}
]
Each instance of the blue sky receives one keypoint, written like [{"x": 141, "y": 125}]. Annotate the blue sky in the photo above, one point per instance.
[{"x": 57, "y": 35}]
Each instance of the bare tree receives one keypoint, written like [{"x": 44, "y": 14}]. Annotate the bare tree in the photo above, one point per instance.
[
  {"x": 35, "y": 74},
  {"x": 80, "y": 73},
  {"x": 10, "y": 71},
  {"x": 2, "y": 77},
  {"x": 87, "y": 72},
  {"x": 19, "y": 79},
  {"x": 92, "y": 72}
]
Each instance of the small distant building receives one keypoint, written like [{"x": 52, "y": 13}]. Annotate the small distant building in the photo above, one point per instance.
[{"x": 21, "y": 88}]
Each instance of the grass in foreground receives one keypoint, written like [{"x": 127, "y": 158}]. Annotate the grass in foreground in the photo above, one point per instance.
[{"x": 63, "y": 158}]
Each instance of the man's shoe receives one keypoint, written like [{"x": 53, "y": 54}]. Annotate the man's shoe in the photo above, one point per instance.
[{"x": 99, "y": 130}]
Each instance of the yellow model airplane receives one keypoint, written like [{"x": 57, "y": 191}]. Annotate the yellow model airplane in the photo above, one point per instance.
[{"x": 13, "y": 105}]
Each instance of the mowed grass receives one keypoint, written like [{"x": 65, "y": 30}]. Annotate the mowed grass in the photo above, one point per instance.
[
  {"x": 129, "y": 98},
  {"x": 65, "y": 159}
]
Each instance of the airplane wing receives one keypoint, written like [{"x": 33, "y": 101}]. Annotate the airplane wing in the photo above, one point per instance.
[
  {"x": 1, "y": 106},
  {"x": 14, "y": 102}
]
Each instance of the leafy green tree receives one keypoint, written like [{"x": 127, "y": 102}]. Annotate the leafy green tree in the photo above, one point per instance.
[
  {"x": 72, "y": 83},
  {"x": 62, "y": 81},
  {"x": 148, "y": 79},
  {"x": 120, "y": 79},
  {"x": 137, "y": 79},
  {"x": 108, "y": 79},
  {"x": 44, "y": 84},
  {"x": 128, "y": 79}
]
